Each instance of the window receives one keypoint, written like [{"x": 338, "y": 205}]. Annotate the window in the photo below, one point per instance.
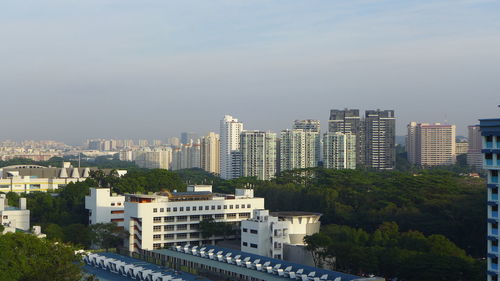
[
  {"x": 181, "y": 209},
  {"x": 213, "y": 207},
  {"x": 253, "y": 231},
  {"x": 168, "y": 227},
  {"x": 157, "y": 237},
  {"x": 168, "y": 209},
  {"x": 237, "y": 206},
  {"x": 207, "y": 217},
  {"x": 245, "y": 230},
  {"x": 249, "y": 206},
  {"x": 175, "y": 209},
  {"x": 162, "y": 210},
  {"x": 207, "y": 208},
  {"x": 169, "y": 219},
  {"x": 200, "y": 208},
  {"x": 157, "y": 219},
  {"x": 230, "y": 206},
  {"x": 253, "y": 245},
  {"x": 119, "y": 203},
  {"x": 157, "y": 228},
  {"x": 168, "y": 236},
  {"x": 194, "y": 218},
  {"x": 118, "y": 212},
  {"x": 245, "y": 244},
  {"x": 194, "y": 208},
  {"x": 156, "y": 246},
  {"x": 155, "y": 210},
  {"x": 117, "y": 220},
  {"x": 243, "y": 206},
  {"x": 225, "y": 207},
  {"x": 188, "y": 209},
  {"x": 112, "y": 204},
  {"x": 219, "y": 216},
  {"x": 219, "y": 207}
]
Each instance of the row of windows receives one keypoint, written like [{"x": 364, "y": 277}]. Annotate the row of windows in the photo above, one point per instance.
[
  {"x": 198, "y": 217},
  {"x": 253, "y": 231},
  {"x": 252, "y": 245},
  {"x": 201, "y": 208}
]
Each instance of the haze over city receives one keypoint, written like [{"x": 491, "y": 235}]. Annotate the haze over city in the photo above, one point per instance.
[{"x": 73, "y": 70}]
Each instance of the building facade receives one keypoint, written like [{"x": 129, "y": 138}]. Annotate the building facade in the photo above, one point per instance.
[
  {"x": 490, "y": 132},
  {"x": 380, "y": 138},
  {"x": 339, "y": 151},
  {"x": 230, "y": 129},
  {"x": 258, "y": 154},
  {"x": 299, "y": 149},
  {"x": 13, "y": 218},
  {"x": 474, "y": 155},
  {"x": 167, "y": 219},
  {"x": 105, "y": 207},
  {"x": 157, "y": 158},
  {"x": 431, "y": 144},
  {"x": 349, "y": 121},
  {"x": 210, "y": 153}
]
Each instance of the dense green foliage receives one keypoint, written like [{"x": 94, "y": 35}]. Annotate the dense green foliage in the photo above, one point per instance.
[
  {"x": 210, "y": 227},
  {"x": 409, "y": 256},
  {"x": 433, "y": 202},
  {"x": 25, "y": 257}
]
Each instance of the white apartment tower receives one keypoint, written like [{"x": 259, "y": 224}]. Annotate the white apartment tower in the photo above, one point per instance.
[
  {"x": 339, "y": 150},
  {"x": 258, "y": 154},
  {"x": 210, "y": 153},
  {"x": 230, "y": 130},
  {"x": 431, "y": 144},
  {"x": 299, "y": 149}
]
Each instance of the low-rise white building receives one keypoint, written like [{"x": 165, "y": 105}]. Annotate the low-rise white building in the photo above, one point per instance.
[
  {"x": 13, "y": 218},
  {"x": 104, "y": 207},
  {"x": 270, "y": 234},
  {"x": 172, "y": 218}
]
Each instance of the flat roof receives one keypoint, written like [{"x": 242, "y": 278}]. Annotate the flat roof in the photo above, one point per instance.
[
  {"x": 105, "y": 275},
  {"x": 294, "y": 214},
  {"x": 252, "y": 257}
]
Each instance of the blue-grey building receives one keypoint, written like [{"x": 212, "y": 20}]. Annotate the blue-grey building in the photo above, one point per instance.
[{"x": 490, "y": 133}]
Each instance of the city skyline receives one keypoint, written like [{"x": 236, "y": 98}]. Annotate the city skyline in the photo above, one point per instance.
[{"x": 125, "y": 69}]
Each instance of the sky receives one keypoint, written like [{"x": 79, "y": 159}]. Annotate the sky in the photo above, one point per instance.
[{"x": 72, "y": 70}]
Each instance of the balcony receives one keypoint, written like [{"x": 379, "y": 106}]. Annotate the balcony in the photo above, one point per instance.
[
  {"x": 494, "y": 214},
  {"x": 494, "y": 231},
  {"x": 494, "y": 266},
  {"x": 494, "y": 249},
  {"x": 494, "y": 196}
]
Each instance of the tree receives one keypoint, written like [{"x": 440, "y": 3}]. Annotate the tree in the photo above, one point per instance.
[
  {"x": 26, "y": 257},
  {"x": 107, "y": 235}
]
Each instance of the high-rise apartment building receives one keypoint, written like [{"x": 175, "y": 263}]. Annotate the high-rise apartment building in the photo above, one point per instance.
[
  {"x": 158, "y": 158},
  {"x": 349, "y": 121},
  {"x": 339, "y": 151},
  {"x": 431, "y": 144},
  {"x": 474, "y": 155},
  {"x": 380, "y": 139},
  {"x": 258, "y": 154},
  {"x": 230, "y": 129},
  {"x": 186, "y": 156},
  {"x": 299, "y": 149},
  {"x": 490, "y": 132},
  {"x": 210, "y": 154},
  {"x": 308, "y": 125}
]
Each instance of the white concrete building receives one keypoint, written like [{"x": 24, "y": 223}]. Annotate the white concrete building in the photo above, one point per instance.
[
  {"x": 269, "y": 234},
  {"x": 258, "y": 154},
  {"x": 339, "y": 150},
  {"x": 105, "y": 207},
  {"x": 230, "y": 129},
  {"x": 172, "y": 218},
  {"x": 431, "y": 144},
  {"x": 13, "y": 218}
]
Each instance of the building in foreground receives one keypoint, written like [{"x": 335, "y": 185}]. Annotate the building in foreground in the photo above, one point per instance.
[
  {"x": 172, "y": 218},
  {"x": 339, "y": 151},
  {"x": 490, "y": 132},
  {"x": 104, "y": 206},
  {"x": 431, "y": 144},
  {"x": 13, "y": 218},
  {"x": 279, "y": 235},
  {"x": 218, "y": 263}
]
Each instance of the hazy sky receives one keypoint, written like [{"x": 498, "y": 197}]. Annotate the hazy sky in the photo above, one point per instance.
[{"x": 71, "y": 70}]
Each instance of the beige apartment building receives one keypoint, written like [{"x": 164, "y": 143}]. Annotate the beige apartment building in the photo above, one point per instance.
[{"x": 431, "y": 144}]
